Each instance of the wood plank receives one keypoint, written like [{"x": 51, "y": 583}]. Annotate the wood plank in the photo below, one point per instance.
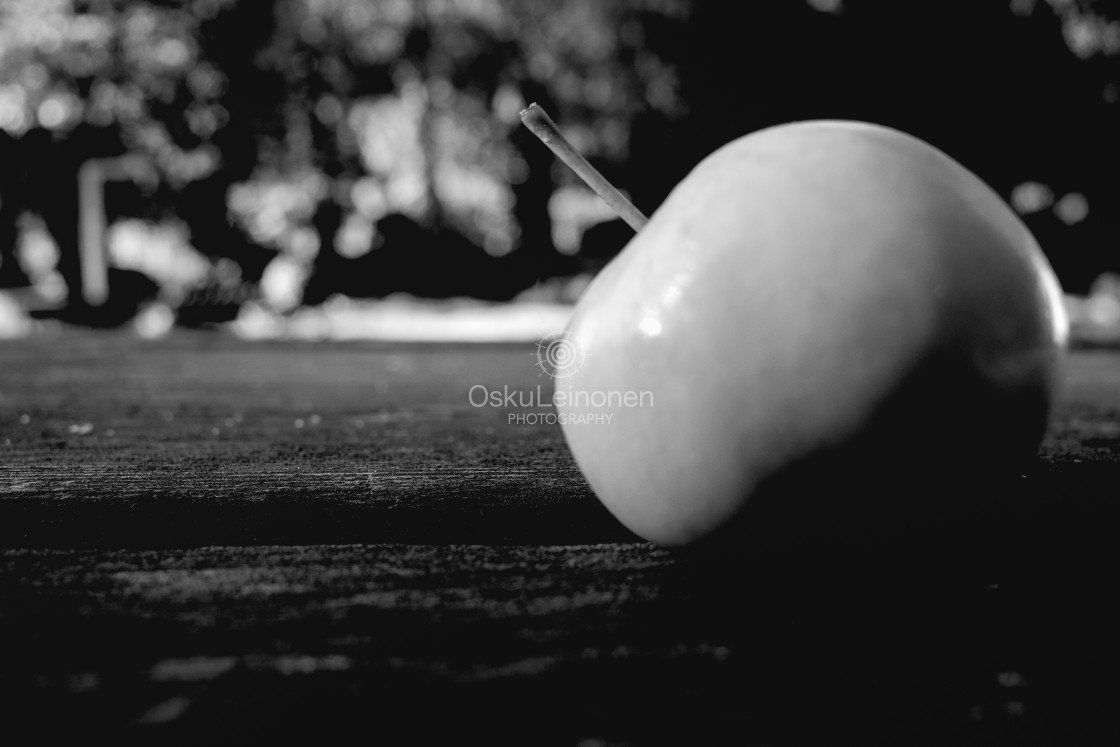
[{"x": 436, "y": 574}]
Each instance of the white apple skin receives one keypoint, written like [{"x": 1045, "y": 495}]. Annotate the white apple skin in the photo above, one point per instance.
[{"x": 804, "y": 288}]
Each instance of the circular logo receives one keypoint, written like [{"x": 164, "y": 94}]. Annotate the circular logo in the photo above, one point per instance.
[{"x": 559, "y": 355}]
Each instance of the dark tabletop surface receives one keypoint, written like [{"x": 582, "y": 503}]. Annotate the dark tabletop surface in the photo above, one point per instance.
[{"x": 212, "y": 540}]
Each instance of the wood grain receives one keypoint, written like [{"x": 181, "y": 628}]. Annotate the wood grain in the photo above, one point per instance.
[{"x": 208, "y": 540}]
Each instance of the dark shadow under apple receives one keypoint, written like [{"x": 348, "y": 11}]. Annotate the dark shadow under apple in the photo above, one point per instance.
[
  {"x": 929, "y": 583},
  {"x": 926, "y": 488}
]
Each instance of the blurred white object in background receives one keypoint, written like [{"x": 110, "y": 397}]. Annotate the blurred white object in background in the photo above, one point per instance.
[
  {"x": 13, "y": 319},
  {"x": 573, "y": 209},
  {"x": 405, "y": 318},
  {"x": 281, "y": 286},
  {"x": 92, "y": 251},
  {"x": 160, "y": 251},
  {"x": 38, "y": 255},
  {"x": 1095, "y": 318},
  {"x": 154, "y": 320}
]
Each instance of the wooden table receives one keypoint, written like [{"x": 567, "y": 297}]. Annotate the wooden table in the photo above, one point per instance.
[{"x": 206, "y": 539}]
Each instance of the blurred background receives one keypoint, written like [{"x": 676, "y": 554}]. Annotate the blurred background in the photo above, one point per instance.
[{"x": 345, "y": 167}]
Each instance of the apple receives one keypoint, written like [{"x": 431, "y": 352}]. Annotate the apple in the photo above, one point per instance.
[{"x": 814, "y": 304}]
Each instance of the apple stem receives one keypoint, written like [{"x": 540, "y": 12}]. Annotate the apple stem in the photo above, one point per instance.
[{"x": 541, "y": 125}]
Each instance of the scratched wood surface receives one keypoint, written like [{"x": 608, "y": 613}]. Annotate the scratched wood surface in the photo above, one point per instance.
[{"x": 211, "y": 540}]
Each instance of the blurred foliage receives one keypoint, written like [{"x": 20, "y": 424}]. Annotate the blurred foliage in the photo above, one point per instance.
[
  {"x": 138, "y": 66},
  {"x": 386, "y": 107},
  {"x": 394, "y": 106}
]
